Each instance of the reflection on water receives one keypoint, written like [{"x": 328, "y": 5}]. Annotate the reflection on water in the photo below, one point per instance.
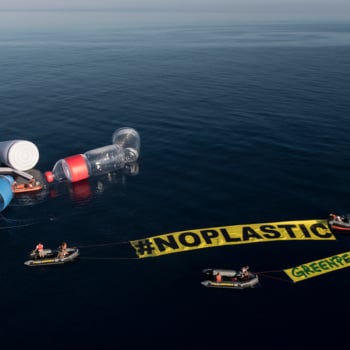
[
  {"x": 86, "y": 189},
  {"x": 33, "y": 207},
  {"x": 79, "y": 191}
]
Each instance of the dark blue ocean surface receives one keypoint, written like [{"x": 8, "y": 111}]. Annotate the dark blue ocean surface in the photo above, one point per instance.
[{"x": 239, "y": 123}]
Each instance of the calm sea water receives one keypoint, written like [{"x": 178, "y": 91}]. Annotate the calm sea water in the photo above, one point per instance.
[{"x": 240, "y": 123}]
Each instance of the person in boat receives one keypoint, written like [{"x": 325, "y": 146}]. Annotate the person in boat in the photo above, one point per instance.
[
  {"x": 39, "y": 249},
  {"x": 218, "y": 277},
  {"x": 62, "y": 250},
  {"x": 244, "y": 273},
  {"x": 333, "y": 216},
  {"x": 337, "y": 217}
]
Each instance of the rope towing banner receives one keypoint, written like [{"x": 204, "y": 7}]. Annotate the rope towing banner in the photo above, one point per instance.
[
  {"x": 318, "y": 267},
  {"x": 176, "y": 242}
]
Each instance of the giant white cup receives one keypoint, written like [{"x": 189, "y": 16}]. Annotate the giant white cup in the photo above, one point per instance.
[{"x": 19, "y": 154}]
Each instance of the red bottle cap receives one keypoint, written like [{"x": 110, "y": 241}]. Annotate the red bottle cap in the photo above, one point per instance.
[{"x": 49, "y": 176}]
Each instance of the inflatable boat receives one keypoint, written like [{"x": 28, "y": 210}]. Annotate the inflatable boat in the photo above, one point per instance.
[
  {"x": 232, "y": 279},
  {"x": 24, "y": 181},
  {"x": 50, "y": 257},
  {"x": 339, "y": 223}
]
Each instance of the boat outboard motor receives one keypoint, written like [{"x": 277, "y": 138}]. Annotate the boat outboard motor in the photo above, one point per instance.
[{"x": 6, "y": 193}]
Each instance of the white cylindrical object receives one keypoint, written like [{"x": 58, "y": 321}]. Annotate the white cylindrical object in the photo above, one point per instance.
[{"x": 19, "y": 154}]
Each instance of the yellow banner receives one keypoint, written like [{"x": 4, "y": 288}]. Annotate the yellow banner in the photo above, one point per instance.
[
  {"x": 231, "y": 235},
  {"x": 319, "y": 267}
]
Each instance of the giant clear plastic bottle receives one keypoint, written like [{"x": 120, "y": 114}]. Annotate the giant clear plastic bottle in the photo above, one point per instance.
[{"x": 124, "y": 150}]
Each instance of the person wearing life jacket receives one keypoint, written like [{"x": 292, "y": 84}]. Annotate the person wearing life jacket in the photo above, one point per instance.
[
  {"x": 40, "y": 250},
  {"x": 218, "y": 277},
  {"x": 336, "y": 217},
  {"x": 333, "y": 216}
]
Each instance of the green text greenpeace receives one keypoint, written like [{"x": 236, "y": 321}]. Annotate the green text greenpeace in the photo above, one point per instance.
[{"x": 319, "y": 267}]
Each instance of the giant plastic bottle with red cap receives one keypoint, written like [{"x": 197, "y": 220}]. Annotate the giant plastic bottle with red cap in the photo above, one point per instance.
[{"x": 124, "y": 150}]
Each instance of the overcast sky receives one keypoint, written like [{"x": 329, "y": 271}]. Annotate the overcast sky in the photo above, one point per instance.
[{"x": 341, "y": 7}]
